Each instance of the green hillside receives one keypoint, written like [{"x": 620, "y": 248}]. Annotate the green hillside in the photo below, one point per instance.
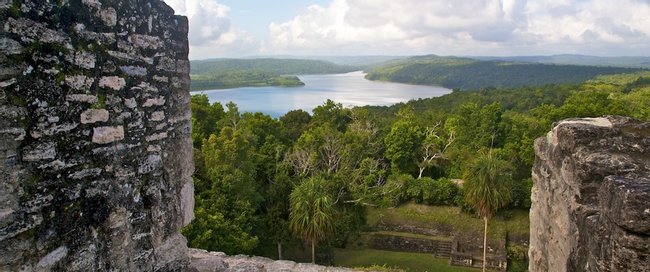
[
  {"x": 230, "y": 73},
  {"x": 630, "y": 62},
  {"x": 466, "y": 73}
]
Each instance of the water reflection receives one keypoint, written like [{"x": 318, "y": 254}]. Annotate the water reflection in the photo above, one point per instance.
[{"x": 350, "y": 89}]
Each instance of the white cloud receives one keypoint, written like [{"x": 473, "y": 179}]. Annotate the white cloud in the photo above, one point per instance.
[
  {"x": 211, "y": 33},
  {"x": 497, "y": 27}
]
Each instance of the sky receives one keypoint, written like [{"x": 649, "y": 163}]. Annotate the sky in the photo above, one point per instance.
[{"x": 245, "y": 28}]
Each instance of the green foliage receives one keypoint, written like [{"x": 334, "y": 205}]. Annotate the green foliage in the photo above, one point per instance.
[
  {"x": 294, "y": 123},
  {"x": 230, "y": 73},
  {"x": 205, "y": 118},
  {"x": 380, "y": 260},
  {"x": 432, "y": 192},
  {"x": 521, "y": 193},
  {"x": 517, "y": 258},
  {"x": 312, "y": 211},
  {"x": 403, "y": 142},
  {"x": 248, "y": 165},
  {"x": 453, "y": 72},
  {"x": 487, "y": 185},
  {"x": 395, "y": 189}
]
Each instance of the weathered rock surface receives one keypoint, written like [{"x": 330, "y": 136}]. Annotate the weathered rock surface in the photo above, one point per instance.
[
  {"x": 204, "y": 261},
  {"x": 95, "y": 147},
  {"x": 591, "y": 197}
]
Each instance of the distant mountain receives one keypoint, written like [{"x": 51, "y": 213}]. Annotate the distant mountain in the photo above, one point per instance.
[
  {"x": 360, "y": 61},
  {"x": 230, "y": 73},
  {"x": 469, "y": 73},
  {"x": 629, "y": 62}
]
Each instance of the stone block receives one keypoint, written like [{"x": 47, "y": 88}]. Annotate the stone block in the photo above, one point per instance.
[
  {"x": 112, "y": 82},
  {"x": 105, "y": 135},
  {"x": 91, "y": 116},
  {"x": 42, "y": 151},
  {"x": 52, "y": 258},
  {"x": 157, "y": 116},
  {"x": 10, "y": 47},
  {"x": 85, "y": 98},
  {"x": 134, "y": 70},
  {"x": 158, "y": 101},
  {"x": 108, "y": 16}
]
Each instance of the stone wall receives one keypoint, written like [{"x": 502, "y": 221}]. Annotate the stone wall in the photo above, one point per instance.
[
  {"x": 95, "y": 148},
  {"x": 590, "y": 200}
]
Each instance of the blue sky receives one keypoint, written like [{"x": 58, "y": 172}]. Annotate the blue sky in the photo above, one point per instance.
[{"x": 239, "y": 28}]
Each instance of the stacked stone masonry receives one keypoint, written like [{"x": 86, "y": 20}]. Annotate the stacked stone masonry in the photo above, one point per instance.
[
  {"x": 591, "y": 197},
  {"x": 95, "y": 148}
]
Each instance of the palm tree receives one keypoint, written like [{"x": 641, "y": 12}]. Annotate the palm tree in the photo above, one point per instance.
[
  {"x": 487, "y": 189},
  {"x": 311, "y": 212}
]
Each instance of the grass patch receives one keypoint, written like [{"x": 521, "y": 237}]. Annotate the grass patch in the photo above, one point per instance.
[
  {"x": 452, "y": 218},
  {"x": 410, "y": 262},
  {"x": 439, "y": 217},
  {"x": 412, "y": 235}
]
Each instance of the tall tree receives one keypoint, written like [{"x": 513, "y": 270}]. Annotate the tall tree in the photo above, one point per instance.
[
  {"x": 487, "y": 189},
  {"x": 311, "y": 212},
  {"x": 403, "y": 141}
]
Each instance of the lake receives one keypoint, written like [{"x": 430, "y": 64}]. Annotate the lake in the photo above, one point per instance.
[{"x": 350, "y": 89}]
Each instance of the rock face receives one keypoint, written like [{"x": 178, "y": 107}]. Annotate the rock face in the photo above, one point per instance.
[
  {"x": 591, "y": 197},
  {"x": 95, "y": 148},
  {"x": 204, "y": 261}
]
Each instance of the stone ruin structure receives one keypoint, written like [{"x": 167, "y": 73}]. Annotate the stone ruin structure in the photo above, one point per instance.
[
  {"x": 591, "y": 197},
  {"x": 95, "y": 144},
  {"x": 96, "y": 154}
]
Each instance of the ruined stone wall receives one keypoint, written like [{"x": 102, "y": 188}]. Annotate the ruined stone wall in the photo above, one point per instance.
[
  {"x": 95, "y": 148},
  {"x": 591, "y": 197}
]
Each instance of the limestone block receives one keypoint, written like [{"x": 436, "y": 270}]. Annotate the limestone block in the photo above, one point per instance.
[
  {"x": 79, "y": 82},
  {"x": 42, "y": 151},
  {"x": 151, "y": 163},
  {"x": 204, "y": 261},
  {"x": 105, "y": 135},
  {"x": 90, "y": 116},
  {"x": 146, "y": 41},
  {"x": 84, "y": 59},
  {"x": 85, "y": 98},
  {"x": 158, "y": 101},
  {"x": 112, "y": 82},
  {"x": 10, "y": 47},
  {"x": 108, "y": 16},
  {"x": 134, "y": 70},
  {"x": 130, "y": 103},
  {"x": 156, "y": 137},
  {"x": 52, "y": 258},
  {"x": 32, "y": 30},
  {"x": 157, "y": 116}
]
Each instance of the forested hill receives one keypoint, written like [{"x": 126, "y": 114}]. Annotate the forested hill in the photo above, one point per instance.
[
  {"x": 567, "y": 59},
  {"x": 465, "y": 73},
  {"x": 229, "y": 73}
]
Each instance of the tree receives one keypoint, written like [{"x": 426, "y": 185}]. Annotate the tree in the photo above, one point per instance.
[
  {"x": 433, "y": 148},
  {"x": 487, "y": 189},
  {"x": 294, "y": 123},
  {"x": 205, "y": 118},
  {"x": 403, "y": 142},
  {"x": 311, "y": 212}
]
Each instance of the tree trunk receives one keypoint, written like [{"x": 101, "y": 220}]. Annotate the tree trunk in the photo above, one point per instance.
[
  {"x": 421, "y": 170},
  {"x": 279, "y": 250},
  {"x": 485, "y": 220},
  {"x": 313, "y": 251}
]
